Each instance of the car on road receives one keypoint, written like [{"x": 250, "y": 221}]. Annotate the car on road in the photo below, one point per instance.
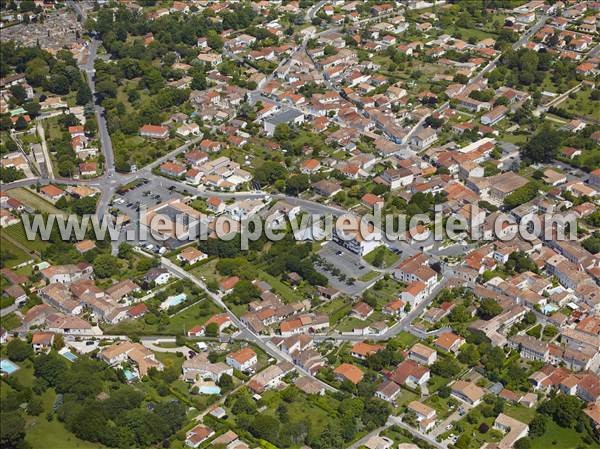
[{"x": 339, "y": 253}]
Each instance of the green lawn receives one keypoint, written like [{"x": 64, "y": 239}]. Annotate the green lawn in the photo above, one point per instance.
[
  {"x": 350, "y": 323},
  {"x": 406, "y": 397},
  {"x": 317, "y": 411},
  {"x": 466, "y": 33},
  {"x": 287, "y": 294},
  {"x": 179, "y": 324},
  {"x": 519, "y": 412},
  {"x": 16, "y": 255},
  {"x": 441, "y": 405},
  {"x": 41, "y": 433},
  {"x": 369, "y": 276},
  {"x": 17, "y": 233},
  {"x": 582, "y": 105},
  {"x": 10, "y": 321},
  {"x": 556, "y": 437},
  {"x": 207, "y": 271},
  {"x": 381, "y": 257},
  {"x": 405, "y": 339},
  {"x": 385, "y": 290},
  {"x": 35, "y": 201},
  {"x": 140, "y": 151},
  {"x": 336, "y": 309}
]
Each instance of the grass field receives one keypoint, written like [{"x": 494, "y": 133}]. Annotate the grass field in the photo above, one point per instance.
[
  {"x": 369, "y": 276},
  {"x": 41, "y": 433},
  {"x": 177, "y": 325},
  {"x": 17, "y": 255},
  {"x": 556, "y": 437},
  {"x": 381, "y": 257},
  {"x": 336, "y": 309},
  {"x": 318, "y": 411},
  {"x": 35, "y": 201},
  {"x": 466, "y": 33},
  {"x": 44, "y": 434},
  {"x": 10, "y": 321},
  {"x": 284, "y": 291},
  {"x": 521, "y": 413},
  {"x": 17, "y": 232},
  {"x": 405, "y": 339},
  {"x": 582, "y": 105}
]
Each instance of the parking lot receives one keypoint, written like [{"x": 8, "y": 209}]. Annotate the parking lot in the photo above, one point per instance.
[
  {"x": 349, "y": 263},
  {"x": 143, "y": 192}
]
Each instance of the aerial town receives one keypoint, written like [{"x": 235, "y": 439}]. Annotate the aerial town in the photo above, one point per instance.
[{"x": 161, "y": 118}]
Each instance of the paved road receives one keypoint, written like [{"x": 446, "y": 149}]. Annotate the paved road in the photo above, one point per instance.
[
  {"x": 8, "y": 310},
  {"x": 395, "y": 420},
  {"x": 403, "y": 325},
  {"x": 47, "y": 160},
  {"x": 153, "y": 342},
  {"x": 172, "y": 154},
  {"x": 557, "y": 100},
  {"x": 245, "y": 332},
  {"x": 455, "y": 416}
]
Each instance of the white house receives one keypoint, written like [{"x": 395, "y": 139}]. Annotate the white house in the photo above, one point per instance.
[{"x": 243, "y": 360}]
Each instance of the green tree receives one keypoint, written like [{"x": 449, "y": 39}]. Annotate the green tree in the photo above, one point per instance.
[
  {"x": 226, "y": 383},
  {"x": 212, "y": 330},
  {"x": 21, "y": 123},
  {"x": 445, "y": 367},
  {"x": 35, "y": 406},
  {"x": 537, "y": 426},
  {"x": 522, "y": 195},
  {"x": 84, "y": 94},
  {"x": 297, "y": 184},
  {"x": 488, "y": 308},
  {"x": 543, "y": 146},
  {"x": 18, "y": 350},
  {"x": 12, "y": 430},
  {"x": 105, "y": 266},
  {"x": 523, "y": 443},
  {"x": 265, "y": 427}
]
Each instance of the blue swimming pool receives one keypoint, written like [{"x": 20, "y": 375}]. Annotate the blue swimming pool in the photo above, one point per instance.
[
  {"x": 130, "y": 375},
  {"x": 172, "y": 301},
  {"x": 209, "y": 389},
  {"x": 69, "y": 356},
  {"x": 549, "y": 308},
  {"x": 8, "y": 367}
]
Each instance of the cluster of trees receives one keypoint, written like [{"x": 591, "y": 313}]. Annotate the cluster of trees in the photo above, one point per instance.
[
  {"x": 520, "y": 262},
  {"x": 521, "y": 195},
  {"x": 592, "y": 243},
  {"x": 10, "y": 174},
  {"x": 543, "y": 145},
  {"x": 285, "y": 429},
  {"x": 122, "y": 420},
  {"x": 287, "y": 256},
  {"x": 526, "y": 67},
  {"x": 58, "y": 75}
]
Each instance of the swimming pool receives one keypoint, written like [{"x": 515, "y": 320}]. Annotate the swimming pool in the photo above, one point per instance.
[
  {"x": 8, "y": 367},
  {"x": 130, "y": 375},
  {"x": 68, "y": 355},
  {"x": 173, "y": 301},
  {"x": 549, "y": 308},
  {"x": 209, "y": 389}
]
